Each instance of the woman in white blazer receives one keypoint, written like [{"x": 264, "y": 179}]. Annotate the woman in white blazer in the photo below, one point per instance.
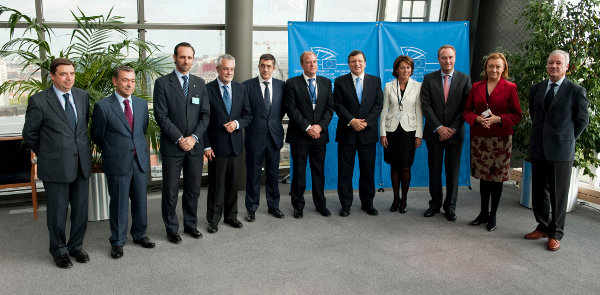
[{"x": 401, "y": 128}]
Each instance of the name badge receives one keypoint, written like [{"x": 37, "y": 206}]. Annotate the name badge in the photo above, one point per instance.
[
  {"x": 487, "y": 113},
  {"x": 195, "y": 100}
]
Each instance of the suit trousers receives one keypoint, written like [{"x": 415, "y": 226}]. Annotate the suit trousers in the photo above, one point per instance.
[
  {"x": 316, "y": 156},
  {"x": 121, "y": 189},
  {"x": 366, "y": 182},
  {"x": 192, "y": 178},
  {"x": 254, "y": 160},
  {"x": 60, "y": 195},
  {"x": 448, "y": 155},
  {"x": 550, "y": 182},
  {"x": 223, "y": 173}
]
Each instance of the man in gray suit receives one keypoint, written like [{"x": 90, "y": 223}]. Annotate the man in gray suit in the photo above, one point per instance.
[
  {"x": 443, "y": 97},
  {"x": 182, "y": 111},
  {"x": 56, "y": 130},
  {"x": 119, "y": 124},
  {"x": 559, "y": 114}
]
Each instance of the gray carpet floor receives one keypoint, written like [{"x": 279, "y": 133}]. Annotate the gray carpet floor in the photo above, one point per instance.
[{"x": 387, "y": 254}]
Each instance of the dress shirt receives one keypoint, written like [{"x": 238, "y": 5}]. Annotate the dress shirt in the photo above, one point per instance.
[
  {"x": 557, "y": 85},
  {"x": 262, "y": 87},
  {"x": 121, "y": 99},
  {"x": 179, "y": 77},
  {"x": 362, "y": 79},
  {"x": 316, "y": 88},
  {"x": 61, "y": 99}
]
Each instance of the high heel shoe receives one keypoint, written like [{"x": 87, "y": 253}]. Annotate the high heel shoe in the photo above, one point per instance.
[
  {"x": 402, "y": 207},
  {"x": 479, "y": 220}
]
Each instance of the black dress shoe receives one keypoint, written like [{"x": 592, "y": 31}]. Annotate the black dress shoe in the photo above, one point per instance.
[
  {"x": 395, "y": 205},
  {"x": 193, "y": 232},
  {"x": 233, "y": 223},
  {"x": 298, "y": 213},
  {"x": 275, "y": 212},
  {"x": 479, "y": 220},
  {"x": 371, "y": 211},
  {"x": 324, "y": 212},
  {"x": 80, "y": 256},
  {"x": 174, "y": 238},
  {"x": 212, "y": 228},
  {"x": 116, "y": 252},
  {"x": 63, "y": 261},
  {"x": 344, "y": 212},
  {"x": 450, "y": 216},
  {"x": 145, "y": 242},
  {"x": 431, "y": 212},
  {"x": 251, "y": 217},
  {"x": 491, "y": 224}
]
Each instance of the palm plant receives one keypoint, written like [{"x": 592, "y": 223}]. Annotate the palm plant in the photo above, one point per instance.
[{"x": 93, "y": 49}]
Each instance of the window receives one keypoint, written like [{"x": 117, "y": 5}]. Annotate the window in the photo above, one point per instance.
[
  {"x": 60, "y": 10},
  {"x": 273, "y": 12},
  {"x": 185, "y": 11},
  {"x": 346, "y": 10},
  {"x": 274, "y": 43}
]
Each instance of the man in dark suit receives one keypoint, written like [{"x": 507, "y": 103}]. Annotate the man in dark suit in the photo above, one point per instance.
[
  {"x": 119, "y": 124},
  {"x": 443, "y": 96},
  {"x": 230, "y": 113},
  {"x": 358, "y": 101},
  {"x": 181, "y": 109},
  {"x": 56, "y": 130},
  {"x": 309, "y": 105},
  {"x": 559, "y": 114},
  {"x": 264, "y": 137}
]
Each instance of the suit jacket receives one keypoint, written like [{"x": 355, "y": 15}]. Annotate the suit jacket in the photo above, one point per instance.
[
  {"x": 178, "y": 115},
  {"x": 300, "y": 111},
  {"x": 410, "y": 118},
  {"x": 223, "y": 143},
  {"x": 264, "y": 122},
  {"x": 503, "y": 102},
  {"x": 58, "y": 147},
  {"x": 346, "y": 106},
  {"x": 437, "y": 112},
  {"x": 554, "y": 131},
  {"x": 111, "y": 132}
]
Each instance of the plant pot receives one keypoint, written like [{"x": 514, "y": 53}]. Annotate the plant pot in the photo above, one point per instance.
[
  {"x": 526, "y": 187},
  {"x": 98, "y": 198}
]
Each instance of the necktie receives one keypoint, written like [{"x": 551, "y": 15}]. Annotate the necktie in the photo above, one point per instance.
[
  {"x": 267, "y": 96},
  {"x": 359, "y": 89},
  {"x": 70, "y": 112},
  {"x": 128, "y": 113},
  {"x": 227, "y": 98},
  {"x": 186, "y": 85},
  {"x": 549, "y": 96},
  {"x": 446, "y": 87},
  {"x": 312, "y": 91}
]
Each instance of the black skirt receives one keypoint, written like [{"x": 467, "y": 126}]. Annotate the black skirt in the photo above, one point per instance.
[{"x": 400, "y": 152}]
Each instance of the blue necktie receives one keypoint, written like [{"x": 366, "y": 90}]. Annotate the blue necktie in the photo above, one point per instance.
[
  {"x": 186, "y": 85},
  {"x": 312, "y": 91},
  {"x": 69, "y": 111},
  {"x": 227, "y": 98},
  {"x": 359, "y": 89}
]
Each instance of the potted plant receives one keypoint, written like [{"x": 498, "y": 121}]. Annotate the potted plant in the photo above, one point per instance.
[
  {"x": 572, "y": 27},
  {"x": 96, "y": 52}
]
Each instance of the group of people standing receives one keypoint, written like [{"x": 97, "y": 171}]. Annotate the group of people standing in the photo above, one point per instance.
[{"x": 200, "y": 121}]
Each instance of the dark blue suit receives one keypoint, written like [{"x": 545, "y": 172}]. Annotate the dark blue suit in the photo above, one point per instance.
[
  {"x": 227, "y": 167},
  {"x": 126, "y": 163},
  {"x": 264, "y": 139}
]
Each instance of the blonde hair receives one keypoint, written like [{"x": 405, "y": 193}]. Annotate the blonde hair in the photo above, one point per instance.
[{"x": 495, "y": 55}]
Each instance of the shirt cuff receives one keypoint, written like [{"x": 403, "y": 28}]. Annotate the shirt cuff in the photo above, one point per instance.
[
  {"x": 307, "y": 128},
  {"x": 436, "y": 129},
  {"x": 348, "y": 125},
  {"x": 179, "y": 139},
  {"x": 237, "y": 124},
  {"x": 195, "y": 137},
  {"x": 207, "y": 149}
]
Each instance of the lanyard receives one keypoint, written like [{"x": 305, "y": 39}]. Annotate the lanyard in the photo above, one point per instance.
[{"x": 400, "y": 98}]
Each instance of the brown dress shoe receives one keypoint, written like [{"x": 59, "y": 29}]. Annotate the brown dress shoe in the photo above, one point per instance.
[
  {"x": 553, "y": 244},
  {"x": 536, "y": 234}
]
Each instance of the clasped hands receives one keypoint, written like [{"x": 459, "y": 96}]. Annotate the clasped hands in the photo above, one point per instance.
[
  {"x": 445, "y": 132},
  {"x": 314, "y": 131},
  {"x": 489, "y": 121},
  {"x": 358, "y": 124},
  {"x": 187, "y": 143}
]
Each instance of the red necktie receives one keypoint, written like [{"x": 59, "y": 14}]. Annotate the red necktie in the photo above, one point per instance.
[
  {"x": 446, "y": 88},
  {"x": 128, "y": 113}
]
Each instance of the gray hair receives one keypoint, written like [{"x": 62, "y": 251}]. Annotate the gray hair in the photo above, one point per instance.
[
  {"x": 225, "y": 56},
  {"x": 560, "y": 52}
]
